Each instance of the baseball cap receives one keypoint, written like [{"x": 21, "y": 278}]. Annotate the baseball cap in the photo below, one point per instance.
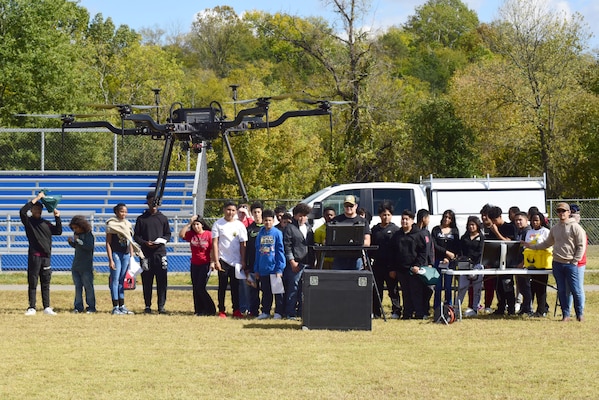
[
  {"x": 574, "y": 209},
  {"x": 350, "y": 200},
  {"x": 563, "y": 206}
]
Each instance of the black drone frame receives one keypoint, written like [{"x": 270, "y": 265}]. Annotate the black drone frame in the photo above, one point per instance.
[{"x": 197, "y": 125}]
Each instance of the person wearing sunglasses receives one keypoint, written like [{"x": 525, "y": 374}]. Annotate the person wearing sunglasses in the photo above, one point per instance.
[{"x": 568, "y": 239}]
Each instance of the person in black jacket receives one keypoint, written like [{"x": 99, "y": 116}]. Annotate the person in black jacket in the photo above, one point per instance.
[
  {"x": 152, "y": 232},
  {"x": 298, "y": 239},
  {"x": 410, "y": 247},
  {"x": 382, "y": 233},
  {"x": 39, "y": 233},
  {"x": 471, "y": 248},
  {"x": 446, "y": 238}
]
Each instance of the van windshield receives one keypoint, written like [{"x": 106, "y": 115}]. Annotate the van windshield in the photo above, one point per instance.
[{"x": 312, "y": 197}]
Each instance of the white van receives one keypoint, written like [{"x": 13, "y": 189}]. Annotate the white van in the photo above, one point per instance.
[
  {"x": 465, "y": 196},
  {"x": 369, "y": 195}
]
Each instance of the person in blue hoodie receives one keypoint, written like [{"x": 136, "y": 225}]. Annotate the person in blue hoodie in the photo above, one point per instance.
[{"x": 269, "y": 264}]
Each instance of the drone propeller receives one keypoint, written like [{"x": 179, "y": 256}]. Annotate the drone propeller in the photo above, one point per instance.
[
  {"x": 331, "y": 102},
  {"x": 59, "y": 116},
  {"x": 265, "y": 99},
  {"x": 122, "y": 106}
]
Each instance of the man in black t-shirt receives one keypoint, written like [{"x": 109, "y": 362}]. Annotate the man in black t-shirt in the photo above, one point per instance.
[{"x": 351, "y": 217}]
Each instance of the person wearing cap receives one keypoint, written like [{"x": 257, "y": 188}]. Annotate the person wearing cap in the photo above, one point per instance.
[
  {"x": 575, "y": 213},
  {"x": 350, "y": 216},
  {"x": 568, "y": 239},
  {"x": 39, "y": 234},
  {"x": 152, "y": 232}
]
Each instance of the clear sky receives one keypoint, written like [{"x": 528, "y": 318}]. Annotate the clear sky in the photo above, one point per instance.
[{"x": 177, "y": 16}]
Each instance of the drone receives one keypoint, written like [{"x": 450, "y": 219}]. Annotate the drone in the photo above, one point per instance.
[{"x": 193, "y": 126}]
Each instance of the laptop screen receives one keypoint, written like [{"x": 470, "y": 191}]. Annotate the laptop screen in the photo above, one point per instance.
[{"x": 345, "y": 235}]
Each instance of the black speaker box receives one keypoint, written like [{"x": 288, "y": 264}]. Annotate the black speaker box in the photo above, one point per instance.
[{"x": 339, "y": 300}]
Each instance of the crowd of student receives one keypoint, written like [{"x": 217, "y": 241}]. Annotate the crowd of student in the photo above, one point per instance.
[{"x": 256, "y": 251}]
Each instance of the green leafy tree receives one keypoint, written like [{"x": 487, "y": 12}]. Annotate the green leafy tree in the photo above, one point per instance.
[
  {"x": 220, "y": 40},
  {"x": 444, "y": 145},
  {"x": 544, "y": 48}
]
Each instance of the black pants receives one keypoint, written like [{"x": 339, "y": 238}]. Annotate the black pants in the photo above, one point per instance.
[
  {"x": 505, "y": 294},
  {"x": 414, "y": 294},
  {"x": 524, "y": 286},
  {"x": 227, "y": 277},
  {"x": 39, "y": 268},
  {"x": 381, "y": 276},
  {"x": 539, "y": 290},
  {"x": 202, "y": 302},
  {"x": 157, "y": 268}
]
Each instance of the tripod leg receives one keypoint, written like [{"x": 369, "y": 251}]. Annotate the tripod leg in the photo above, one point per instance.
[{"x": 368, "y": 266}]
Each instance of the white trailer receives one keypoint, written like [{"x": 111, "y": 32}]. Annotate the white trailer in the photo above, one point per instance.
[{"x": 466, "y": 196}]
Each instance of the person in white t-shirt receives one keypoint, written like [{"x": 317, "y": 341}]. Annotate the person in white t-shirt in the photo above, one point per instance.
[{"x": 229, "y": 237}]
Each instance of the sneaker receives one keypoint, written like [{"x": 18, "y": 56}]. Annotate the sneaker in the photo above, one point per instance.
[
  {"x": 75, "y": 311},
  {"x": 292, "y": 318},
  {"x": 580, "y": 319},
  {"x": 488, "y": 310},
  {"x": 90, "y": 312},
  {"x": 30, "y": 311},
  {"x": 277, "y": 316},
  {"x": 125, "y": 310},
  {"x": 469, "y": 312},
  {"x": 237, "y": 314},
  {"x": 263, "y": 316},
  {"x": 162, "y": 311},
  {"x": 395, "y": 316},
  {"x": 116, "y": 311},
  {"x": 49, "y": 311},
  {"x": 517, "y": 307},
  {"x": 222, "y": 315},
  {"x": 147, "y": 310}
]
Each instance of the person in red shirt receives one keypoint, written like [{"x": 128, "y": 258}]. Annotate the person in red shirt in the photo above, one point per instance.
[{"x": 198, "y": 234}]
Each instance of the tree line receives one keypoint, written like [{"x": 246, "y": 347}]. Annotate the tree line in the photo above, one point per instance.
[{"x": 441, "y": 94}]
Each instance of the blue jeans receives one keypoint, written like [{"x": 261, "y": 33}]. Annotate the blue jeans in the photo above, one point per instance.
[
  {"x": 117, "y": 275},
  {"x": 567, "y": 274},
  {"x": 249, "y": 298},
  {"x": 291, "y": 281},
  {"x": 580, "y": 287},
  {"x": 84, "y": 279}
]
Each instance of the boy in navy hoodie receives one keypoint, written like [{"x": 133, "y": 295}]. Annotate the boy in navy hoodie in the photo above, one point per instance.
[{"x": 269, "y": 264}]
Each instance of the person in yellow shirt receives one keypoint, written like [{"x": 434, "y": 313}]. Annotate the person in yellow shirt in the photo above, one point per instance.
[{"x": 321, "y": 233}]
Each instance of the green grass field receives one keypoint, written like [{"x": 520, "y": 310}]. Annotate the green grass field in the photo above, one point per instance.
[{"x": 179, "y": 356}]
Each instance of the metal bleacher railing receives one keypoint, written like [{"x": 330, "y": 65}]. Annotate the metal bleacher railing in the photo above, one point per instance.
[{"x": 92, "y": 194}]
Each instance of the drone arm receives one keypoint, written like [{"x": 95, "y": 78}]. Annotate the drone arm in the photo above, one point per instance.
[
  {"x": 289, "y": 114},
  {"x": 146, "y": 120},
  {"x": 244, "y": 113},
  {"x": 101, "y": 124}
]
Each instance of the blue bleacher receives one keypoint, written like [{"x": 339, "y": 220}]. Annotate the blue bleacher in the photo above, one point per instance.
[{"x": 92, "y": 194}]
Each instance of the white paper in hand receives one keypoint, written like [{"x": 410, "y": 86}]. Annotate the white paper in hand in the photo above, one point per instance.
[
  {"x": 160, "y": 241},
  {"x": 239, "y": 273},
  {"x": 134, "y": 266},
  {"x": 276, "y": 284}
]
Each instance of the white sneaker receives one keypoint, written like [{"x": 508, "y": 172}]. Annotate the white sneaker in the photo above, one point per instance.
[
  {"x": 49, "y": 311},
  {"x": 517, "y": 307},
  {"x": 488, "y": 310},
  {"x": 394, "y": 316},
  {"x": 263, "y": 316},
  {"x": 469, "y": 312},
  {"x": 277, "y": 316},
  {"x": 30, "y": 311}
]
